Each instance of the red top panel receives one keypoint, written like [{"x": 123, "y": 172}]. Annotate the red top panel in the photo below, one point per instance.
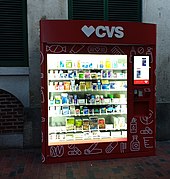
[{"x": 96, "y": 32}]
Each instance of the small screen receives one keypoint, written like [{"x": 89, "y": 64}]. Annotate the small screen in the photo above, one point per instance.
[{"x": 141, "y": 70}]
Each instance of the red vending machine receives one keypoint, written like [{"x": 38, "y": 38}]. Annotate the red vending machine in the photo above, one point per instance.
[{"x": 98, "y": 89}]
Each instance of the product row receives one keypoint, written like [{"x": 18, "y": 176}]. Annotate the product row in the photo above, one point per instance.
[
  {"x": 87, "y": 124},
  {"x": 87, "y": 85},
  {"x": 87, "y": 110},
  {"x": 53, "y": 137},
  {"x": 87, "y": 74},
  {"x": 91, "y": 62},
  {"x": 86, "y": 99}
]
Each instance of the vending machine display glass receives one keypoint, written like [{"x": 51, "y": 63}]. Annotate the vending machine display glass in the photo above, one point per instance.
[{"x": 87, "y": 98}]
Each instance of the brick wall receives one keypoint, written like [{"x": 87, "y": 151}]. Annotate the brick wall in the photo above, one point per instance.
[{"x": 11, "y": 114}]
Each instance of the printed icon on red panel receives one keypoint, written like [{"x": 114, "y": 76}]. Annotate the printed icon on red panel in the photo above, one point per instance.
[{"x": 135, "y": 144}]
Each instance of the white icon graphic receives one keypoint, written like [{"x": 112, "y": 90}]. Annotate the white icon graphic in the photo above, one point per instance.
[
  {"x": 88, "y": 31},
  {"x": 117, "y": 51},
  {"x": 42, "y": 75},
  {"x": 42, "y": 158},
  {"x": 42, "y": 95},
  {"x": 42, "y": 137},
  {"x": 92, "y": 149},
  {"x": 57, "y": 151},
  {"x": 135, "y": 144},
  {"x": 149, "y": 52},
  {"x": 41, "y": 58},
  {"x": 140, "y": 50},
  {"x": 148, "y": 142},
  {"x": 133, "y": 126},
  {"x": 132, "y": 54},
  {"x": 146, "y": 120},
  {"x": 123, "y": 147},
  {"x": 56, "y": 48},
  {"x": 104, "y": 31},
  {"x": 147, "y": 130},
  {"x": 147, "y": 90},
  {"x": 76, "y": 48},
  {"x": 111, "y": 147},
  {"x": 97, "y": 49},
  {"x": 42, "y": 119},
  {"x": 75, "y": 150}
]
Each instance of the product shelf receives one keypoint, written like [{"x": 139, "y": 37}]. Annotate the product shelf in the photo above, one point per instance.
[
  {"x": 93, "y": 114},
  {"x": 81, "y": 141},
  {"x": 82, "y": 131},
  {"x": 109, "y": 90},
  {"x": 80, "y": 69},
  {"x": 89, "y": 104},
  {"x": 69, "y": 79}
]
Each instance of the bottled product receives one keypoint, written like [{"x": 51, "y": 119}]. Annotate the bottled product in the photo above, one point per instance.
[{"x": 98, "y": 85}]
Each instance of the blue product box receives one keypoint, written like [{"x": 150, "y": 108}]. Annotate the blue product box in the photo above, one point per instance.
[{"x": 106, "y": 87}]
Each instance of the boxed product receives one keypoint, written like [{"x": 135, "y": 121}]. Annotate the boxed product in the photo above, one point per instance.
[
  {"x": 122, "y": 123},
  {"x": 85, "y": 124},
  {"x": 116, "y": 134},
  {"x": 52, "y": 136},
  {"x": 87, "y": 74},
  {"x": 108, "y": 63},
  {"x": 78, "y": 136},
  {"x": 62, "y": 64},
  {"x": 57, "y": 110},
  {"x": 81, "y": 75},
  {"x": 93, "y": 121},
  {"x": 72, "y": 109},
  {"x": 82, "y": 85},
  {"x": 70, "y": 123},
  {"x": 69, "y": 136},
  {"x": 65, "y": 110},
  {"x": 78, "y": 123},
  {"x": 57, "y": 99},
  {"x": 67, "y": 85},
  {"x": 109, "y": 126},
  {"x": 105, "y": 135},
  {"x": 61, "y": 137},
  {"x": 88, "y": 85},
  {"x": 101, "y": 123},
  {"x": 81, "y": 101},
  {"x": 96, "y": 134},
  {"x": 69, "y": 64},
  {"x": 116, "y": 122},
  {"x": 93, "y": 75},
  {"x": 64, "y": 98},
  {"x": 87, "y": 135},
  {"x": 124, "y": 133}
]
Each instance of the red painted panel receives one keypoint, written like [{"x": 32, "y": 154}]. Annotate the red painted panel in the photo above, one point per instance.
[{"x": 73, "y": 31}]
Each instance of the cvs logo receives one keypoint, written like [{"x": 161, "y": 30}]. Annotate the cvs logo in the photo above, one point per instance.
[{"x": 104, "y": 31}]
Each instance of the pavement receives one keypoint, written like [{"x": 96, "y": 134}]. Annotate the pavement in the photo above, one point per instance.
[{"x": 26, "y": 164}]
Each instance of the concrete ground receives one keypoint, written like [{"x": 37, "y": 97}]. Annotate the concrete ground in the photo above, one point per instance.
[{"x": 26, "y": 164}]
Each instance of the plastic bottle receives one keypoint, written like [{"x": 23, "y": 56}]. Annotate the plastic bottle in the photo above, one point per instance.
[{"x": 99, "y": 85}]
